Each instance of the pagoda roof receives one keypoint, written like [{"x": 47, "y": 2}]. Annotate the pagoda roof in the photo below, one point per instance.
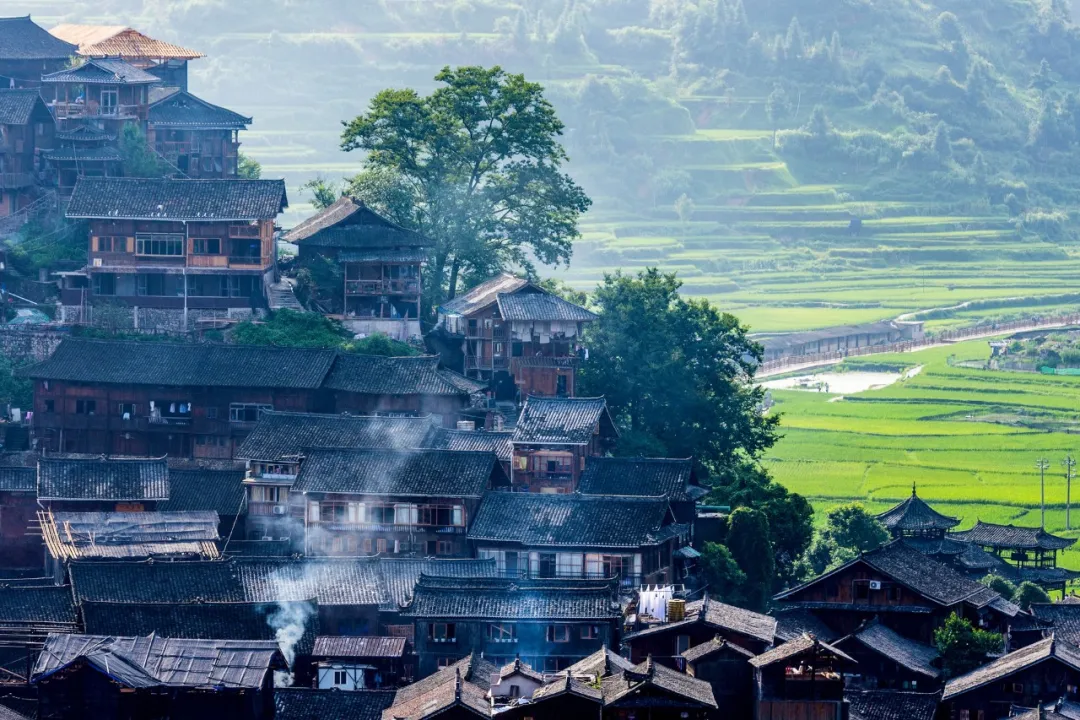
[
  {"x": 914, "y": 514},
  {"x": 1012, "y": 537}
]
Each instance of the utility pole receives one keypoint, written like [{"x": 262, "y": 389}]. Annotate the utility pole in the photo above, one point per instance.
[
  {"x": 1042, "y": 465},
  {"x": 1070, "y": 465}
]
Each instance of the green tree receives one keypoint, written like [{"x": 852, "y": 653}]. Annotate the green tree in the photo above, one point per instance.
[
  {"x": 851, "y": 526},
  {"x": 381, "y": 344},
  {"x": 19, "y": 392},
  {"x": 749, "y": 542},
  {"x": 778, "y": 108},
  {"x": 289, "y": 328},
  {"x": 482, "y": 162},
  {"x": 1043, "y": 78},
  {"x": 323, "y": 192},
  {"x": 561, "y": 288},
  {"x": 1028, "y": 592},
  {"x": 819, "y": 126},
  {"x": 963, "y": 647},
  {"x": 942, "y": 146},
  {"x": 1000, "y": 585},
  {"x": 138, "y": 159},
  {"x": 248, "y": 168},
  {"x": 725, "y": 579},
  {"x": 684, "y": 208}
]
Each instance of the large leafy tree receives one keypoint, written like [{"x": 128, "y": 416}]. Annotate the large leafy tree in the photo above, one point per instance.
[
  {"x": 725, "y": 578},
  {"x": 476, "y": 166},
  {"x": 750, "y": 545},
  {"x": 963, "y": 647}
]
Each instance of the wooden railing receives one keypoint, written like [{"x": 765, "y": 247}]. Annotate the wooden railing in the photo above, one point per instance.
[
  {"x": 16, "y": 180},
  {"x": 208, "y": 261},
  {"x": 382, "y": 287}
]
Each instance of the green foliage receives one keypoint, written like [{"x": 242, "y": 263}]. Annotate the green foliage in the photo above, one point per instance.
[
  {"x": 248, "y": 168},
  {"x": 323, "y": 192},
  {"x": 381, "y": 344},
  {"x": 963, "y": 647},
  {"x": 751, "y": 547},
  {"x": 18, "y": 392},
  {"x": 560, "y": 288},
  {"x": 138, "y": 159},
  {"x": 482, "y": 160},
  {"x": 289, "y": 328},
  {"x": 1000, "y": 585},
  {"x": 1028, "y": 592},
  {"x": 319, "y": 283},
  {"x": 726, "y": 580},
  {"x": 850, "y": 526}
]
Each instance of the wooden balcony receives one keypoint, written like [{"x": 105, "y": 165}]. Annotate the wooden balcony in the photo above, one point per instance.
[
  {"x": 244, "y": 231},
  {"x": 71, "y": 110},
  {"x": 249, "y": 262},
  {"x": 208, "y": 261},
  {"x": 11, "y": 181},
  {"x": 382, "y": 287}
]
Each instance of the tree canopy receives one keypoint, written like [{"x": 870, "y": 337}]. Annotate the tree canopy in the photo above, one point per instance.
[
  {"x": 963, "y": 647},
  {"x": 476, "y": 166},
  {"x": 289, "y": 328},
  {"x": 751, "y": 547}
]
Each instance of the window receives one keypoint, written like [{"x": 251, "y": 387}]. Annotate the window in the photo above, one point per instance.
[
  {"x": 381, "y": 514},
  {"x": 50, "y": 406},
  {"x": 682, "y": 644},
  {"x": 127, "y": 410},
  {"x": 246, "y": 412},
  {"x": 442, "y": 632},
  {"x": 111, "y": 243},
  {"x": 445, "y": 662},
  {"x": 211, "y": 413},
  {"x": 444, "y": 547},
  {"x": 893, "y": 593},
  {"x": 862, "y": 590},
  {"x": 171, "y": 244},
  {"x": 380, "y": 545},
  {"x": 340, "y": 677},
  {"x": 104, "y": 284},
  {"x": 558, "y": 633},
  {"x": 365, "y": 545},
  {"x": 206, "y": 246},
  {"x": 515, "y": 691},
  {"x": 262, "y": 493},
  {"x": 590, "y": 632},
  {"x": 546, "y": 566},
  {"x": 502, "y": 632},
  {"x": 110, "y": 100},
  {"x": 85, "y": 407}
]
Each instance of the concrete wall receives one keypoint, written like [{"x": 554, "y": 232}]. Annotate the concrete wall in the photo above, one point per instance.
[
  {"x": 25, "y": 344},
  {"x": 151, "y": 319}
]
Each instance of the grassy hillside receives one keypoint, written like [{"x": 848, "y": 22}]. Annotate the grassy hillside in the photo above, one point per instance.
[{"x": 695, "y": 125}]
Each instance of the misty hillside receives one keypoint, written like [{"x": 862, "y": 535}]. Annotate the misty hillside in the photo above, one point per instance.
[{"x": 731, "y": 141}]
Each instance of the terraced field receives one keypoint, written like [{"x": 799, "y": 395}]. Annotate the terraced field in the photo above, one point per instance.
[{"x": 968, "y": 438}]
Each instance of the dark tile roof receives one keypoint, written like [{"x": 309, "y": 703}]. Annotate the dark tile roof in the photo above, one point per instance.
[
  {"x": 306, "y": 704},
  {"x": 1063, "y": 618},
  {"x": 84, "y": 154},
  {"x": 183, "y": 364},
  {"x": 794, "y": 622},
  {"x": 483, "y": 295},
  {"x": 358, "y": 647},
  {"x": 351, "y": 224},
  {"x": 617, "y": 688},
  {"x": 645, "y": 477},
  {"x": 520, "y": 668},
  {"x": 563, "y": 421},
  {"x": 801, "y": 645},
  {"x": 570, "y": 520},
  {"x": 501, "y": 598},
  {"x": 497, "y": 442},
  {"x": 1014, "y": 662},
  {"x": 184, "y": 110},
  {"x": 85, "y": 133},
  {"x": 120, "y": 41},
  {"x": 42, "y": 604},
  {"x": 176, "y": 200},
  {"x": 9, "y": 709},
  {"x": 218, "y": 491},
  {"x": 102, "y": 71},
  {"x": 258, "y": 548},
  {"x": 376, "y": 375},
  {"x": 914, "y": 656},
  {"x": 202, "y": 621},
  {"x": 284, "y": 435},
  {"x": 915, "y": 514},
  {"x": 717, "y": 645},
  {"x": 1010, "y": 537},
  {"x": 120, "y": 480},
  {"x": 419, "y": 473},
  {"x": 464, "y": 684},
  {"x": 567, "y": 685},
  {"x": 71, "y": 535},
  {"x": 156, "y": 661},
  {"x": 718, "y": 616},
  {"x": 19, "y": 107},
  {"x": 891, "y": 705},
  {"x": 540, "y": 307},
  {"x": 601, "y": 663},
  {"x": 23, "y": 39},
  {"x": 386, "y": 583},
  {"x": 18, "y": 479}
]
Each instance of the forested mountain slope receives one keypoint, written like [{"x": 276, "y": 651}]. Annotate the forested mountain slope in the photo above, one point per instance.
[{"x": 733, "y": 141}]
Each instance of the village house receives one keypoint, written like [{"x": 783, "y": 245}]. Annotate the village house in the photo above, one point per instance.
[
  {"x": 579, "y": 536},
  {"x": 704, "y": 621},
  {"x": 173, "y": 252},
  {"x": 196, "y": 138},
  {"x": 516, "y": 680},
  {"x": 496, "y": 441},
  {"x": 912, "y": 593},
  {"x": 515, "y": 335},
  {"x": 672, "y": 478},
  {"x": 892, "y": 705},
  {"x": 357, "y": 663},
  {"x": 204, "y": 489},
  {"x": 1027, "y": 553},
  {"x": 126, "y": 485},
  {"x": 599, "y": 665},
  {"x": 552, "y": 439},
  {"x": 380, "y": 264},
  {"x": 1029, "y": 677},
  {"x": 659, "y": 692},
  {"x": 81, "y": 151},
  {"x": 393, "y": 502},
  {"x": 162, "y": 59},
  {"x": 299, "y": 703},
  {"x": 30, "y": 610},
  {"x": 801, "y": 678},
  {"x": 549, "y": 624},
  {"x": 28, "y": 51},
  {"x": 107, "y": 93},
  {"x": 26, "y": 128},
  {"x": 18, "y": 514},
  {"x": 887, "y": 660},
  {"x": 80, "y": 676},
  {"x": 457, "y": 691},
  {"x": 726, "y": 667},
  {"x": 559, "y": 699}
]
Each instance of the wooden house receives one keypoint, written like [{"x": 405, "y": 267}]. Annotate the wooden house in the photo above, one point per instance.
[
  {"x": 102, "y": 485},
  {"x": 549, "y": 624},
  {"x": 579, "y": 536},
  {"x": 726, "y": 667},
  {"x": 26, "y": 127},
  {"x": 496, "y": 441},
  {"x": 672, "y": 478},
  {"x": 705, "y": 621},
  {"x": 657, "y": 692},
  {"x": 893, "y": 705},
  {"x": 912, "y": 593},
  {"x": 1029, "y": 677},
  {"x": 380, "y": 263},
  {"x": 141, "y": 678},
  {"x": 914, "y": 518},
  {"x": 457, "y": 691},
  {"x": 198, "y": 139},
  {"x": 162, "y": 59},
  {"x": 31, "y": 609},
  {"x": 802, "y": 678},
  {"x": 28, "y": 51},
  {"x": 515, "y": 680},
  {"x": 889, "y": 661},
  {"x": 300, "y": 703},
  {"x": 393, "y": 502},
  {"x": 357, "y": 663},
  {"x": 19, "y": 548},
  {"x": 516, "y": 335},
  {"x": 562, "y": 698},
  {"x": 554, "y": 437},
  {"x": 1029, "y": 553},
  {"x": 205, "y": 489},
  {"x": 183, "y": 249},
  {"x": 106, "y": 92},
  {"x": 83, "y": 150}
]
